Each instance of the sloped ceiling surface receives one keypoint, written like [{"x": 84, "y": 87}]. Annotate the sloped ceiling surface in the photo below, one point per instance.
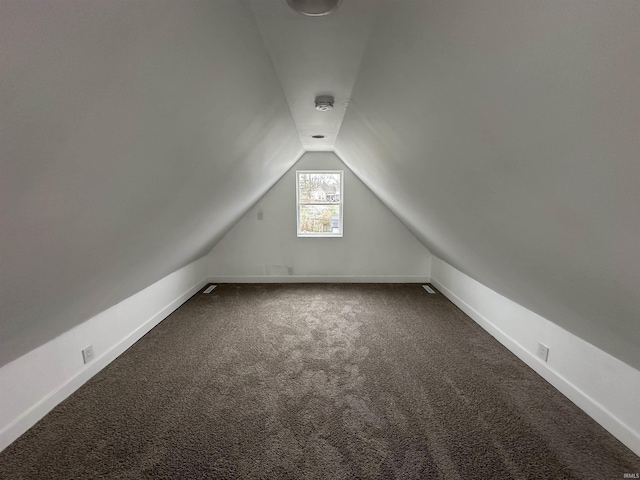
[
  {"x": 506, "y": 134},
  {"x": 316, "y": 56},
  {"x": 132, "y": 136}
]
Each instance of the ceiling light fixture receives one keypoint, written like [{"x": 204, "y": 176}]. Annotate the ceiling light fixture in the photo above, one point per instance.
[
  {"x": 314, "y": 8},
  {"x": 317, "y": 136},
  {"x": 324, "y": 103}
]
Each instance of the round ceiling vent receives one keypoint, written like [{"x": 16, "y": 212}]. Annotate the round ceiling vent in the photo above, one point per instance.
[
  {"x": 314, "y": 8},
  {"x": 324, "y": 103}
]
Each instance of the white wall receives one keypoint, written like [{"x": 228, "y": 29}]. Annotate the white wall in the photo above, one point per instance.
[
  {"x": 33, "y": 384},
  {"x": 604, "y": 387},
  {"x": 376, "y": 246}
]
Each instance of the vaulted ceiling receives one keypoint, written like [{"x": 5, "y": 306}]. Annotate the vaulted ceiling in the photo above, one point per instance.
[{"x": 504, "y": 133}]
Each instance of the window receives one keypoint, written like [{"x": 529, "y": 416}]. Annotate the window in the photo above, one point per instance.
[{"x": 319, "y": 202}]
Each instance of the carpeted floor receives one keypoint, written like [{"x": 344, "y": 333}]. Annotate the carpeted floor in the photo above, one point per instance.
[{"x": 317, "y": 382}]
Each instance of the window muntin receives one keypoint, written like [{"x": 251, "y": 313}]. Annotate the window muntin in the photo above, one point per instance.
[{"x": 319, "y": 196}]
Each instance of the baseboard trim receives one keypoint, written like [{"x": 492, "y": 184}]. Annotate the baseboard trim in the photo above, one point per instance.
[
  {"x": 320, "y": 279},
  {"x": 38, "y": 410},
  {"x": 591, "y": 407}
]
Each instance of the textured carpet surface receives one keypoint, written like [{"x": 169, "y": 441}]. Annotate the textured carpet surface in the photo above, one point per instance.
[{"x": 317, "y": 382}]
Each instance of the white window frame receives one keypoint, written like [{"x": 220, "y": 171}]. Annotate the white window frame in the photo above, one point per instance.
[{"x": 341, "y": 204}]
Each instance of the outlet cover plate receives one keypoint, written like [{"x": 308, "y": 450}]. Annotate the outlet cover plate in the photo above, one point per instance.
[
  {"x": 543, "y": 352},
  {"x": 87, "y": 354}
]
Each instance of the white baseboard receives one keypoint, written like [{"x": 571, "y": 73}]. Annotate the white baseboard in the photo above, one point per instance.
[
  {"x": 35, "y": 383},
  {"x": 602, "y": 386},
  {"x": 320, "y": 279}
]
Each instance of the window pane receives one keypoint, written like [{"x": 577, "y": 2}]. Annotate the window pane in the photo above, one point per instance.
[
  {"x": 319, "y": 187},
  {"x": 319, "y": 218}
]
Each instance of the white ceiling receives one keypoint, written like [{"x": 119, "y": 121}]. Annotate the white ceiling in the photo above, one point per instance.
[
  {"x": 316, "y": 56},
  {"x": 503, "y": 133}
]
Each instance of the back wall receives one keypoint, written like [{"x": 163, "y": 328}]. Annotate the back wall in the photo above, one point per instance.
[{"x": 376, "y": 246}]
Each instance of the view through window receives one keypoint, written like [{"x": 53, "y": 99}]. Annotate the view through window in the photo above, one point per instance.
[{"x": 319, "y": 202}]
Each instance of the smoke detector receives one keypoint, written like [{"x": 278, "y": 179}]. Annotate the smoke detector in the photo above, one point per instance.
[
  {"x": 314, "y": 8},
  {"x": 324, "y": 103}
]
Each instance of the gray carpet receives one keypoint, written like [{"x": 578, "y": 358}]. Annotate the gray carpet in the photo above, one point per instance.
[{"x": 317, "y": 382}]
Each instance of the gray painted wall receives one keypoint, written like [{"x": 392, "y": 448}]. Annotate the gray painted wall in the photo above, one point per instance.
[{"x": 375, "y": 242}]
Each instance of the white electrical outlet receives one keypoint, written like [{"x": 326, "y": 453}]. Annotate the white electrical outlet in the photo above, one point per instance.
[
  {"x": 260, "y": 215},
  {"x": 87, "y": 354},
  {"x": 290, "y": 270},
  {"x": 543, "y": 351}
]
